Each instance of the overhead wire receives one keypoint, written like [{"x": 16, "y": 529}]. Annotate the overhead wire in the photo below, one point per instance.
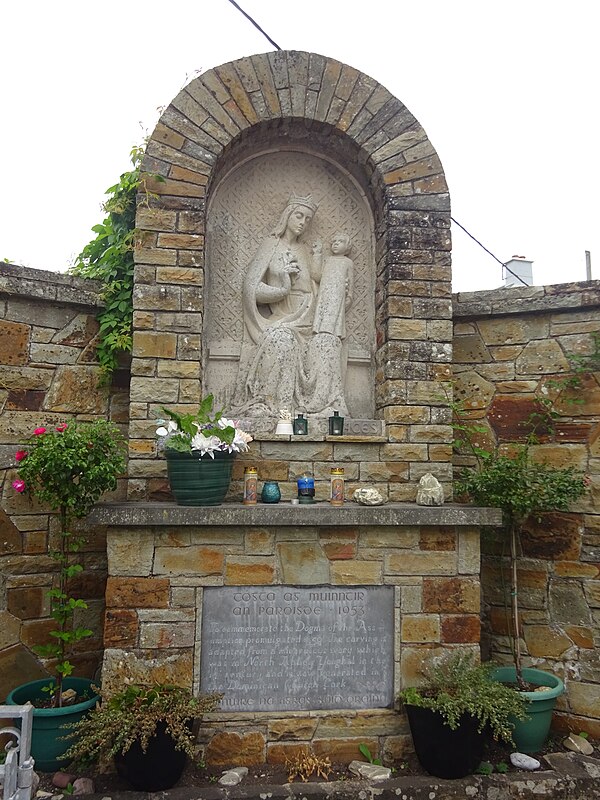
[
  {"x": 462, "y": 227},
  {"x": 502, "y": 263},
  {"x": 256, "y": 25}
]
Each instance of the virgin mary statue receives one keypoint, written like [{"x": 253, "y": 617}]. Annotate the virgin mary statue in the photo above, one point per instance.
[{"x": 278, "y": 297}]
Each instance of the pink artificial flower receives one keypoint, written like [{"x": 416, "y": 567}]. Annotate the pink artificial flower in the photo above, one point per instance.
[
  {"x": 39, "y": 431},
  {"x": 20, "y": 455},
  {"x": 18, "y": 485},
  {"x": 62, "y": 427}
]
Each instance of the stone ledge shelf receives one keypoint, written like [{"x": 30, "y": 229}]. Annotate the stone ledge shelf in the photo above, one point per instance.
[{"x": 285, "y": 514}]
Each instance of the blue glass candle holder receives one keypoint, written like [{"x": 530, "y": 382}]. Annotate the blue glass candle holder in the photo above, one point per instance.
[
  {"x": 306, "y": 489},
  {"x": 271, "y": 493}
]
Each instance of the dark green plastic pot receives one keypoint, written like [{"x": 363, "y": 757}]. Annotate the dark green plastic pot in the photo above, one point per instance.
[
  {"x": 530, "y": 734},
  {"x": 199, "y": 481},
  {"x": 47, "y": 744}
]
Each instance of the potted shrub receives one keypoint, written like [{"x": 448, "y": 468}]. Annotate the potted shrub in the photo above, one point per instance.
[
  {"x": 200, "y": 449},
  {"x": 147, "y": 730},
  {"x": 454, "y": 710},
  {"x": 523, "y": 489},
  {"x": 68, "y": 468}
]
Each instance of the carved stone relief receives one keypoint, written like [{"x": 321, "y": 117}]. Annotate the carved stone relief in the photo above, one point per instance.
[{"x": 289, "y": 309}]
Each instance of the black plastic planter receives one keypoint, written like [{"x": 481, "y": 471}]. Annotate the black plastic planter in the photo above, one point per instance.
[
  {"x": 441, "y": 751},
  {"x": 159, "y": 768}
]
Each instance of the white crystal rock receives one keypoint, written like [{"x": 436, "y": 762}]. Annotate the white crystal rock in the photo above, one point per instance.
[
  {"x": 367, "y": 496},
  {"x": 523, "y": 761},
  {"x": 578, "y": 744},
  {"x": 373, "y": 772},
  {"x": 430, "y": 491},
  {"x": 233, "y": 776},
  {"x": 83, "y": 786}
]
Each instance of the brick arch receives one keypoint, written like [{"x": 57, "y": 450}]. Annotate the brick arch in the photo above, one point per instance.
[{"x": 219, "y": 114}]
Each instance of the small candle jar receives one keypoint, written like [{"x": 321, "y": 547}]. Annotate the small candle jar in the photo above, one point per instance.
[
  {"x": 306, "y": 489},
  {"x": 300, "y": 425},
  {"x": 250, "y": 485},
  {"x": 271, "y": 493},
  {"x": 337, "y": 486}
]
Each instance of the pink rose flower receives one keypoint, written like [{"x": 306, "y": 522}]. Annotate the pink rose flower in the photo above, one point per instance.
[
  {"x": 39, "y": 431},
  {"x": 18, "y": 485},
  {"x": 62, "y": 427},
  {"x": 20, "y": 455}
]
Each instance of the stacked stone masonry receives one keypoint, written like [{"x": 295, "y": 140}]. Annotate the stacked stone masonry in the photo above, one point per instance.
[
  {"x": 511, "y": 348},
  {"x": 307, "y": 103},
  {"x": 154, "y": 614},
  {"x": 48, "y": 374}
]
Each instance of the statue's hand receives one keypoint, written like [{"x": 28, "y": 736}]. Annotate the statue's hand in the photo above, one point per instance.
[
  {"x": 317, "y": 247},
  {"x": 291, "y": 267}
]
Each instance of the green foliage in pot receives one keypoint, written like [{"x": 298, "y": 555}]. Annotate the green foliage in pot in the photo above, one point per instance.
[
  {"x": 132, "y": 715},
  {"x": 202, "y": 433},
  {"x": 523, "y": 487},
  {"x": 455, "y": 685},
  {"x": 68, "y": 468}
]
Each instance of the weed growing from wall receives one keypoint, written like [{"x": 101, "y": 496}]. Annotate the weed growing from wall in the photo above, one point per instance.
[{"x": 109, "y": 258}]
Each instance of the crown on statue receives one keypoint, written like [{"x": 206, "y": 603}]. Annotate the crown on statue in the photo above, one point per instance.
[{"x": 296, "y": 200}]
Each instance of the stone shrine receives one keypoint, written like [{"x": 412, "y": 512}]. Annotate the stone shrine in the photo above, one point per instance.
[{"x": 295, "y": 255}]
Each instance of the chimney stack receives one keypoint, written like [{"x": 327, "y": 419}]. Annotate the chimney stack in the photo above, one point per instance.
[{"x": 520, "y": 267}]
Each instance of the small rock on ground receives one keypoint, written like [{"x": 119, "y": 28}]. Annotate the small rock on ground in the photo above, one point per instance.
[
  {"x": 578, "y": 744},
  {"x": 83, "y": 786},
  {"x": 373, "y": 772},
  {"x": 233, "y": 776},
  {"x": 62, "y": 779},
  {"x": 523, "y": 761}
]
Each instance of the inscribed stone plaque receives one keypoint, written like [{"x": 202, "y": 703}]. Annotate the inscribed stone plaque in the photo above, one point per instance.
[{"x": 278, "y": 648}]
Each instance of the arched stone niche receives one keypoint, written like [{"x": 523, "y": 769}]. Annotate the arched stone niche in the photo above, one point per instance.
[
  {"x": 314, "y": 114},
  {"x": 242, "y": 211}
]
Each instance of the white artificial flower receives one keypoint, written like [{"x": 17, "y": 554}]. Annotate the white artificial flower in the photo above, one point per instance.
[
  {"x": 205, "y": 444},
  {"x": 171, "y": 428},
  {"x": 240, "y": 441}
]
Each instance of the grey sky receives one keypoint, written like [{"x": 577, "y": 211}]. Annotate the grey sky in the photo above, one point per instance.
[{"x": 507, "y": 92}]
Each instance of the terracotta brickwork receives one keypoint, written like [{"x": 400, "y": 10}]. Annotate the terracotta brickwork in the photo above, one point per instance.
[
  {"x": 511, "y": 348},
  {"x": 309, "y": 103},
  {"x": 48, "y": 374},
  {"x": 154, "y": 613}
]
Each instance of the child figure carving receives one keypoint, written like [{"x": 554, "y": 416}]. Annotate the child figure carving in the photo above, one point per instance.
[{"x": 328, "y": 352}]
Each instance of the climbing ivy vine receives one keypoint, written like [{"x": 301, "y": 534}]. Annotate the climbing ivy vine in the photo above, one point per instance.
[{"x": 109, "y": 259}]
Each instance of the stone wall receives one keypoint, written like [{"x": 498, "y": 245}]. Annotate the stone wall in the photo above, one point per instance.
[
  {"x": 511, "y": 346},
  {"x": 508, "y": 344},
  {"x": 160, "y": 565},
  {"x": 48, "y": 374},
  {"x": 298, "y": 103}
]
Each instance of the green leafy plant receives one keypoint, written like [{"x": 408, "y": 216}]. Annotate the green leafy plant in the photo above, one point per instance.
[
  {"x": 523, "y": 489},
  {"x": 485, "y": 768},
  {"x": 69, "y": 468},
  {"x": 133, "y": 715},
  {"x": 454, "y": 684},
  {"x": 364, "y": 749},
  {"x": 202, "y": 432},
  {"x": 109, "y": 258}
]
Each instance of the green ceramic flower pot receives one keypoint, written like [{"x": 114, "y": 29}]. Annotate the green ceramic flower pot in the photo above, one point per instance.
[
  {"x": 199, "y": 481},
  {"x": 47, "y": 744},
  {"x": 530, "y": 734}
]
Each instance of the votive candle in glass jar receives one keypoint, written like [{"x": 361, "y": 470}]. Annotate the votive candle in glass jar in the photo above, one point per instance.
[
  {"x": 250, "y": 485},
  {"x": 306, "y": 489},
  {"x": 337, "y": 486}
]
